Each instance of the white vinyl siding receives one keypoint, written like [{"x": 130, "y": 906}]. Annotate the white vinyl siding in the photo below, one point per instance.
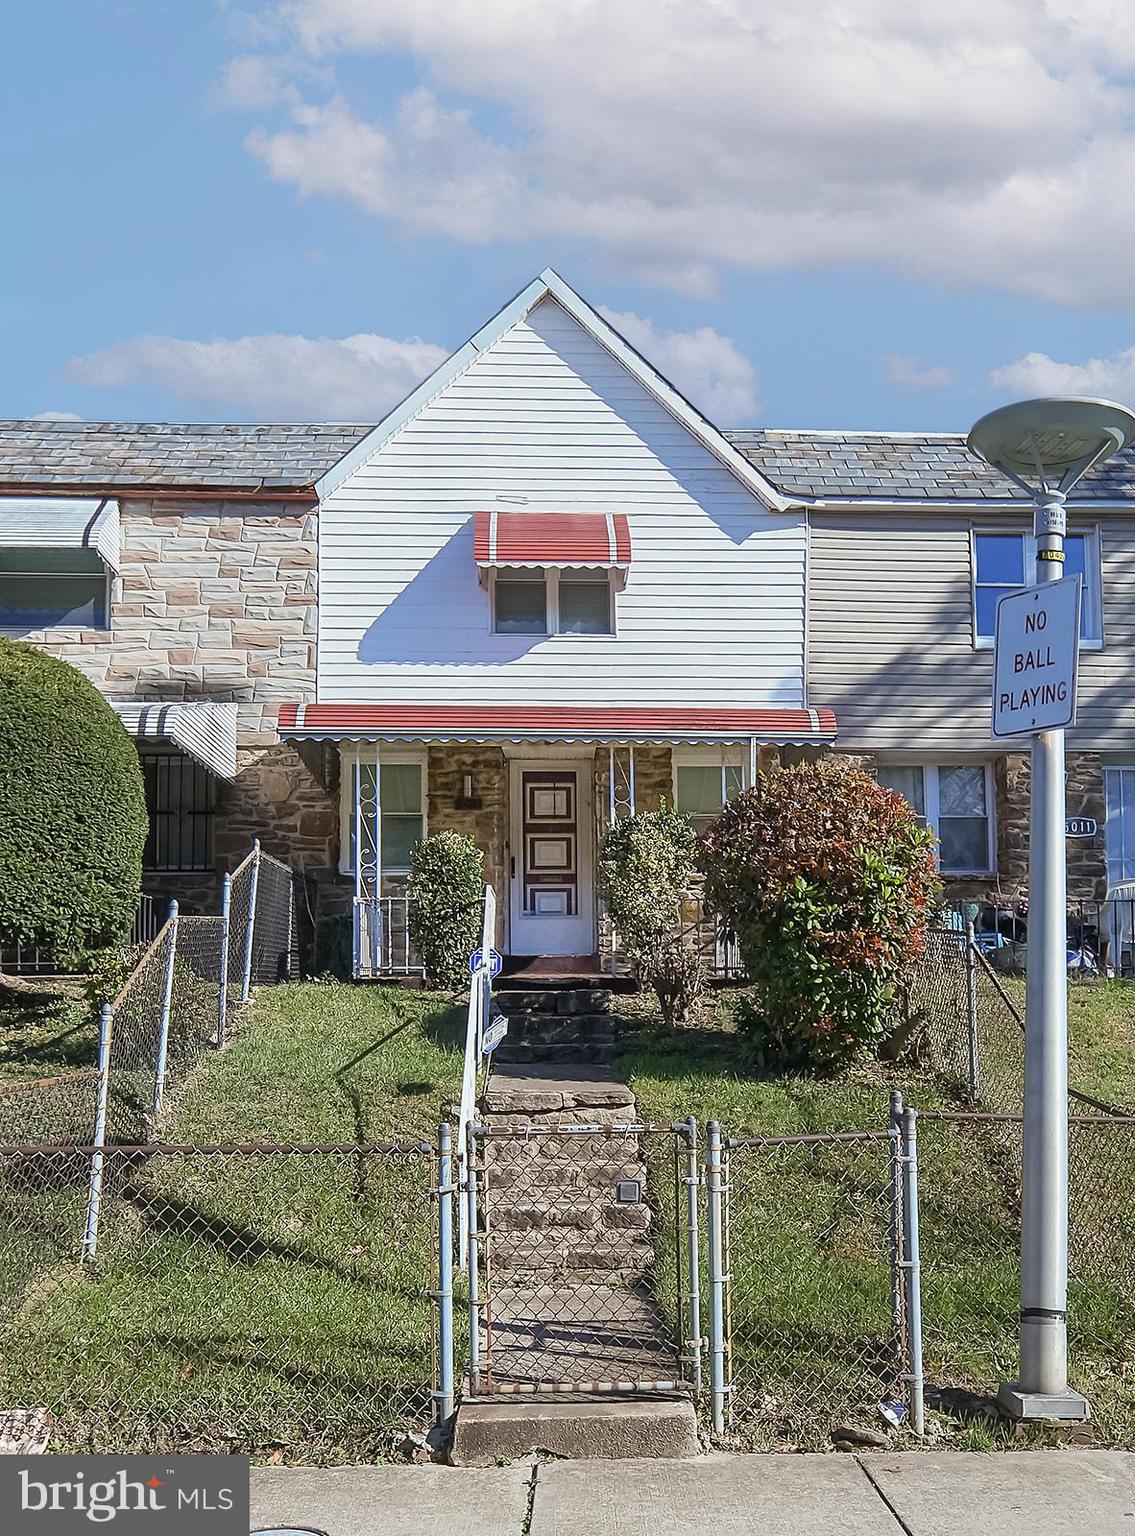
[
  {"x": 713, "y": 609},
  {"x": 890, "y": 635}
]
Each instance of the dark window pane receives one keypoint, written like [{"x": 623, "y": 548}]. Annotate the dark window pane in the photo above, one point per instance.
[
  {"x": 585, "y": 608},
  {"x": 907, "y": 782},
  {"x": 521, "y": 608},
  {"x": 963, "y": 842},
  {"x": 39, "y": 602},
  {"x": 1000, "y": 558},
  {"x": 399, "y": 834}
]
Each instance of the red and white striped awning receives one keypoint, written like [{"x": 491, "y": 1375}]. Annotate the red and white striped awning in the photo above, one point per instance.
[
  {"x": 554, "y": 722},
  {"x": 541, "y": 539}
]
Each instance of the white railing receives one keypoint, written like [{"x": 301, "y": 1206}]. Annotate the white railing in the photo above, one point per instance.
[
  {"x": 480, "y": 1004},
  {"x": 382, "y": 944}
]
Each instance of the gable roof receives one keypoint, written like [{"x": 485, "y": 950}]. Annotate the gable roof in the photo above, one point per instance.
[
  {"x": 932, "y": 467},
  {"x": 550, "y": 285},
  {"x": 222, "y": 456}
]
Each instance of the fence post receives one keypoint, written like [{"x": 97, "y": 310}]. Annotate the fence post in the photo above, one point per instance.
[
  {"x": 223, "y": 993},
  {"x": 898, "y": 1274},
  {"x": 971, "y": 1015},
  {"x": 291, "y": 927},
  {"x": 250, "y": 926},
  {"x": 94, "y": 1196},
  {"x": 717, "y": 1278},
  {"x": 474, "y": 1256},
  {"x": 167, "y": 1003},
  {"x": 693, "y": 1256},
  {"x": 912, "y": 1269},
  {"x": 445, "y": 1193}
]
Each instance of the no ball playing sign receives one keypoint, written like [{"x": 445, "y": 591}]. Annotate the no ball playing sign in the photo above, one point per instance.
[{"x": 1035, "y": 655}]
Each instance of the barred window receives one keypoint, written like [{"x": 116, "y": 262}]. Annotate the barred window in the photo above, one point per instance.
[{"x": 181, "y": 799}]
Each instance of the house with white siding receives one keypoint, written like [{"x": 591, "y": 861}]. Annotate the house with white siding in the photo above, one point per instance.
[{"x": 550, "y": 593}]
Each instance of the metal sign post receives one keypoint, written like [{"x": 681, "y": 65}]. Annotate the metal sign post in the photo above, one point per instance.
[{"x": 1045, "y": 447}]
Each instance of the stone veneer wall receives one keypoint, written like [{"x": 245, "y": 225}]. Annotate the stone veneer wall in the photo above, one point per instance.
[
  {"x": 447, "y": 763},
  {"x": 217, "y": 600}
]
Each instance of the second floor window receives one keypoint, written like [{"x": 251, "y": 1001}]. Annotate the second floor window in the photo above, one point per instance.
[
  {"x": 1004, "y": 561},
  {"x": 552, "y": 602},
  {"x": 52, "y": 589}
]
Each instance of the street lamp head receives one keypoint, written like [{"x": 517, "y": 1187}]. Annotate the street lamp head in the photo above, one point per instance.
[{"x": 1051, "y": 444}]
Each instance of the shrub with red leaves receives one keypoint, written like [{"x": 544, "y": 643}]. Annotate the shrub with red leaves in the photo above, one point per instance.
[{"x": 828, "y": 880}]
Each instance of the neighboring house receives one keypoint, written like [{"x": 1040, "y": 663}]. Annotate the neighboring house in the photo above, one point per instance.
[
  {"x": 912, "y": 541},
  {"x": 549, "y": 593},
  {"x": 176, "y": 567}
]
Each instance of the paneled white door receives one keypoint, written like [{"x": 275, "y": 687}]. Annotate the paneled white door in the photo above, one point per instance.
[{"x": 551, "y": 906}]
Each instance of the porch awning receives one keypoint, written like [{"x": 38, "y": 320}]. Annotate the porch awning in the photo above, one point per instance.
[
  {"x": 553, "y": 722},
  {"x": 61, "y": 522},
  {"x": 541, "y": 539},
  {"x": 204, "y": 729}
]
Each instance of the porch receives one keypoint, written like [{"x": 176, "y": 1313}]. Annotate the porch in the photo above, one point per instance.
[{"x": 536, "y": 786}]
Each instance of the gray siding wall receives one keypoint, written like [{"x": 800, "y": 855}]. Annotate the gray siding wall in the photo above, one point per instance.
[{"x": 890, "y": 645}]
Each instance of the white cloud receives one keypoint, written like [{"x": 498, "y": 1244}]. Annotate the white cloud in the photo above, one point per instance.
[
  {"x": 912, "y": 373},
  {"x": 1038, "y": 374},
  {"x": 295, "y": 377},
  {"x": 55, "y": 416},
  {"x": 983, "y": 141},
  {"x": 254, "y": 81},
  {"x": 707, "y": 367}
]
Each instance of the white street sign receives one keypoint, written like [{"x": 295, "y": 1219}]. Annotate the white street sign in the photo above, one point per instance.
[{"x": 1034, "y": 660}]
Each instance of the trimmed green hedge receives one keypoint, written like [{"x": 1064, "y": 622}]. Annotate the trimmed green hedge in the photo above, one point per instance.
[{"x": 73, "y": 818}]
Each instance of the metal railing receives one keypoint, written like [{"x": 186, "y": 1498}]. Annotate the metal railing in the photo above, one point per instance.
[
  {"x": 478, "y": 1013},
  {"x": 1100, "y": 934},
  {"x": 382, "y": 943}
]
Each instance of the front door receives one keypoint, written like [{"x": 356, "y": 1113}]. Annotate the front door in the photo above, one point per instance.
[{"x": 551, "y": 906}]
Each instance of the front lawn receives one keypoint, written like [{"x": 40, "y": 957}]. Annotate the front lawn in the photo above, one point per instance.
[{"x": 273, "y": 1303}]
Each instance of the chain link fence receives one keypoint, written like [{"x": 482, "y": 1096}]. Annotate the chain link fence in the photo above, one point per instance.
[
  {"x": 581, "y": 1279},
  {"x": 814, "y": 1316},
  {"x": 272, "y": 1300}
]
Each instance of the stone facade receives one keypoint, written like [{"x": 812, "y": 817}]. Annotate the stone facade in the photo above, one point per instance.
[
  {"x": 217, "y": 600},
  {"x": 487, "y": 818}
]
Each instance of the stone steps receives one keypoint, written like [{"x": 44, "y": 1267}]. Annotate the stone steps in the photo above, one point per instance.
[{"x": 565, "y": 1001}]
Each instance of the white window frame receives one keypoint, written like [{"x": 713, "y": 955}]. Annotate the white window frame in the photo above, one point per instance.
[
  {"x": 932, "y": 813},
  {"x": 1114, "y": 817},
  {"x": 1093, "y": 640},
  {"x": 732, "y": 756},
  {"x": 16, "y": 630},
  {"x": 551, "y": 576},
  {"x": 392, "y": 757}
]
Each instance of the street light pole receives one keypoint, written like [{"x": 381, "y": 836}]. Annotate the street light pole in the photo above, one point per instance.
[
  {"x": 1044, "y": 1166},
  {"x": 1046, "y": 447}
]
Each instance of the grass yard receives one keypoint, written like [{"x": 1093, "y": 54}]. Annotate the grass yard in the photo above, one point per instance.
[
  {"x": 811, "y": 1302},
  {"x": 273, "y": 1304}
]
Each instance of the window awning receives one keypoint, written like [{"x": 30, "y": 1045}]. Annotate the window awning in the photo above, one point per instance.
[
  {"x": 540, "y": 539},
  {"x": 204, "y": 729},
  {"x": 553, "y": 722},
  {"x": 61, "y": 522}
]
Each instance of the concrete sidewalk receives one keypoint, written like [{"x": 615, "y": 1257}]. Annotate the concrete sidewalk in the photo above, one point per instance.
[{"x": 1025, "y": 1493}]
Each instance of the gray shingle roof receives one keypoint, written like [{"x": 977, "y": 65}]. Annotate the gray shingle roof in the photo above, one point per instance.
[
  {"x": 119, "y": 454},
  {"x": 926, "y": 466}
]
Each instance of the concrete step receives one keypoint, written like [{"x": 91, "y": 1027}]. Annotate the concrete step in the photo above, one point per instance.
[
  {"x": 513, "y": 1253},
  {"x": 567, "y": 1000},
  {"x": 559, "y": 1028},
  {"x": 584, "y": 1053},
  {"x": 489, "y": 1432},
  {"x": 548, "y": 1089},
  {"x": 586, "y": 1210},
  {"x": 554, "y": 1171}
]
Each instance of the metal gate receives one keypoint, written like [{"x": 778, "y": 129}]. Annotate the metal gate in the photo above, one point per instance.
[{"x": 584, "y": 1269}]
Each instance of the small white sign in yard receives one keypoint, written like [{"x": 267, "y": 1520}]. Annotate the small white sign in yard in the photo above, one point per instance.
[
  {"x": 494, "y": 1033},
  {"x": 1035, "y": 655}
]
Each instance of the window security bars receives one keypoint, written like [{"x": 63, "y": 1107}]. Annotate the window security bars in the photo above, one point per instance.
[{"x": 181, "y": 799}]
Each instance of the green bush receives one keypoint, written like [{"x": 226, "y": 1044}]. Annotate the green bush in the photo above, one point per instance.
[
  {"x": 446, "y": 885},
  {"x": 827, "y": 879},
  {"x": 72, "y": 811},
  {"x": 647, "y": 863}
]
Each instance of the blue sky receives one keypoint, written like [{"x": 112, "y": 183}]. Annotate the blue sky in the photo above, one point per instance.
[{"x": 866, "y": 214}]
